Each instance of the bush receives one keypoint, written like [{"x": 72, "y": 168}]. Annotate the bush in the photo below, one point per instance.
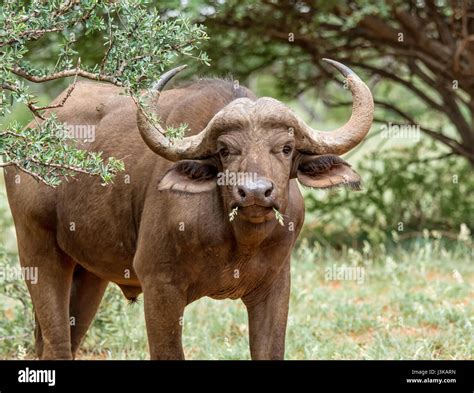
[{"x": 407, "y": 193}]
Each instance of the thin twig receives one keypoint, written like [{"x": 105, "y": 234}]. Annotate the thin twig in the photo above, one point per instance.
[
  {"x": 3, "y": 133},
  {"x": 36, "y": 109},
  {"x": 8, "y": 86},
  {"x": 442, "y": 156},
  {"x": 32, "y": 35},
  {"x": 32, "y": 174},
  {"x": 157, "y": 127},
  {"x": 60, "y": 166},
  {"x": 111, "y": 40},
  {"x": 64, "y": 74}
]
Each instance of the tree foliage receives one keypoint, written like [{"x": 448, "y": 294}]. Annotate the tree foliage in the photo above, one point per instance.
[
  {"x": 137, "y": 45},
  {"x": 426, "y": 48}
]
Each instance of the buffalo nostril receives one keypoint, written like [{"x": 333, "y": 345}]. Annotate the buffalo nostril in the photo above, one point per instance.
[
  {"x": 269, "y": 192},
  {"x": 241, "y": 193}
]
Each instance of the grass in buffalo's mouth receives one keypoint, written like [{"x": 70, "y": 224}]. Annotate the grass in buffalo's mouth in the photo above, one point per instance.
[
  {"x": 416, "y": 304},
  {"x": 279, "y": 217},
  {"x": 233, "y": 213}
]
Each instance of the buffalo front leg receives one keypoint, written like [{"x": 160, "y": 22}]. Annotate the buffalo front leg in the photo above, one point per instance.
[
  {"x": 164, "y": 307},
  {"x": 268, "y": 313},
  {"x": 38, "y": 339}
]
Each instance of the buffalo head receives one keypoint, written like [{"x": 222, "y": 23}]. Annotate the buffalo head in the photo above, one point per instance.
[{"x": 252, "y": 147}]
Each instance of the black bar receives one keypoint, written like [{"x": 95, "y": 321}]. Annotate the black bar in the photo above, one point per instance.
[{"x": 307, "y": 376}]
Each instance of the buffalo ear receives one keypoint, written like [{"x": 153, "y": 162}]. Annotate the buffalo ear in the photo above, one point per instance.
[
  {"x": 190, "y": 176},
  {"x": 326, "y": 171}
]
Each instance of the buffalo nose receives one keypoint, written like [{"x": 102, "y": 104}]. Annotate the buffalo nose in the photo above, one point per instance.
[{"x": 260, "y": 191}]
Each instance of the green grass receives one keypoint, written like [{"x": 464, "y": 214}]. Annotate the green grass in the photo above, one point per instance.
[{"x": 416, "y": 304}]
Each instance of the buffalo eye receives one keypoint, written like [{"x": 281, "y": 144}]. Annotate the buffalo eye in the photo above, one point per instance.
[
  {"x": 287, "y": 149},
  {"x": 224, "y": 152}
]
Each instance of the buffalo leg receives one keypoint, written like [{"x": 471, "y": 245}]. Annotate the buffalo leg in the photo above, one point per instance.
[
  {"x": 164, "y": 307},
  {"x": 38, "y": 339},
  {"x": 86, "y": 293},
  {"x": 50, "y": 291},
  {"x": 268, "y": 315}
]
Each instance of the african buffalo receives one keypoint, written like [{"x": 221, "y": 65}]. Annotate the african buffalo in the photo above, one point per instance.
[{"x": 168, "y": 226}]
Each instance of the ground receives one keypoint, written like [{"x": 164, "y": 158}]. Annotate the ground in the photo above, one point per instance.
[{"x": 416, "y": 304}]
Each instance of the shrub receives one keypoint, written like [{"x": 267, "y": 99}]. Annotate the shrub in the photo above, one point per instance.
[{"x": 407, "y": 192}]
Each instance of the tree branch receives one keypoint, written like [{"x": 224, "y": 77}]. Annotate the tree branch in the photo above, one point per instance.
[
  {"x": 65, "y": 74},
  {"x": 37, "y": 109}
]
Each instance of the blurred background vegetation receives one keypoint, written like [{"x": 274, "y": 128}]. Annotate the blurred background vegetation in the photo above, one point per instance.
[{"x": 411, "y": 225}]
